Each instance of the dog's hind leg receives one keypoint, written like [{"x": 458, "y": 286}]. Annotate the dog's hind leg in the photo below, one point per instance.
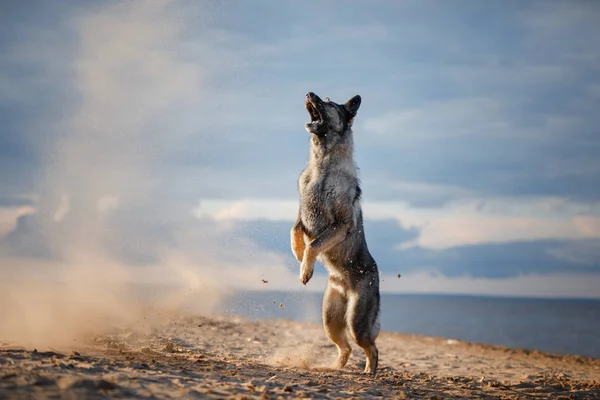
[
  {"x": 363, "y": 320},
  {"x": 372, "y": 357},
  {"x": 334, "y": 322}
]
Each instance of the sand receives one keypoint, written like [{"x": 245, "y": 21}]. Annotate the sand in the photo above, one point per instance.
[{"x": 230, "y": 357}]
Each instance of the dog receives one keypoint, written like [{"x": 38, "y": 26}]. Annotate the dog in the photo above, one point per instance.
[{"x": 330, "y": 227}]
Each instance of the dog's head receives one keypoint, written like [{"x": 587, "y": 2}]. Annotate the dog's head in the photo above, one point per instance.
[{"x": 329, "y": 118}]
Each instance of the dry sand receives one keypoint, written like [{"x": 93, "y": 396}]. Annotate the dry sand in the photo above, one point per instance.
[{"x": 230, "y": 357}]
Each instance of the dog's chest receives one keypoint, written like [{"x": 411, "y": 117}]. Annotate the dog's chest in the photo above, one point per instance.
[{"x": 316, "y": 194}]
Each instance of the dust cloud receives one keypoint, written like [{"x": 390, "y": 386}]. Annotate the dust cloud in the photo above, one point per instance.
[{"x": 120, "y": 250}]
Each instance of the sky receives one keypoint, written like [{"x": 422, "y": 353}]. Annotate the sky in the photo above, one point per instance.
[{"x": 166, "y": 138}]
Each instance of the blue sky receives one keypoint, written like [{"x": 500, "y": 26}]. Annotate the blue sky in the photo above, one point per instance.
[{"x": 155, "y": 135}]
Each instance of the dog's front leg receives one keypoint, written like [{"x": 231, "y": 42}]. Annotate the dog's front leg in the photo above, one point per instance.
[
  {"x": 331, "y": 236},
  {"x": 297, "y": 239},
  {"x": 307, "y": 267}
]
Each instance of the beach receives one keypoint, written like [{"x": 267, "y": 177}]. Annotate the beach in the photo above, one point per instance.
[{"x": 226, "y": 356}]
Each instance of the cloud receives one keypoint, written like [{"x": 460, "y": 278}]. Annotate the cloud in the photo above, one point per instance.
[
  {"x": 492, "y": 239},
  {"x": 132, "y": 127},
  {"x": 248, "y": 209},
  {"x": 491, "y": 147},
  {"x": 526, "y": 114},
  {"x": 470, "y": 221},
  {"x": 494, "y": 221},
  {"x": 507, "y": 113}
]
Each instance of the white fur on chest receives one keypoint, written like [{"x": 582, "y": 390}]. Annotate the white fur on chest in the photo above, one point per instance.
[{"x": 321, "y": 190}]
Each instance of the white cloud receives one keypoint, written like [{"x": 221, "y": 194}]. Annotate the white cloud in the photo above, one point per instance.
[
  {"x": 490, "y": 221},
  {"x": 465, "y": 222},
  {"x": 247, "y": 210}
]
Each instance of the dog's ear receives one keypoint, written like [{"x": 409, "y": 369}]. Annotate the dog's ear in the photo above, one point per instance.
[{"x": 352, "y": 105}]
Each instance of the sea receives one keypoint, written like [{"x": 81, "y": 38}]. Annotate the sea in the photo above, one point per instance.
[{"x": 561, "y": 326}]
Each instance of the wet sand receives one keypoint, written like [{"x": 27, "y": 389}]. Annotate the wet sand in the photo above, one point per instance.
[{"x": 230, "y": 357}]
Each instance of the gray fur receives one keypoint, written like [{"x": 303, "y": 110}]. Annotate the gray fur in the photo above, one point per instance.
[{"x": 330, "y": 227}]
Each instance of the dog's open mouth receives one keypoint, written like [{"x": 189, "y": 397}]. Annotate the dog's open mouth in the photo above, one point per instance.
[{"x": 315, "y": 116}]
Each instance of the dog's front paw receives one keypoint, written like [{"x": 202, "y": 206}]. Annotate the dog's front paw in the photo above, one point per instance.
[
  {"x": 298, "y": 252},
  {"x": 298, "y": 245},
  {"x": 306, "y": 272}
]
